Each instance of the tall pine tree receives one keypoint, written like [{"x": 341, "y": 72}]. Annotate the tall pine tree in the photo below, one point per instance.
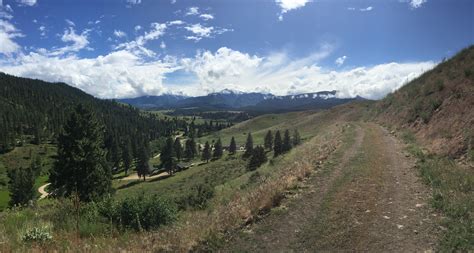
[
  {"x": 232, "y": 146},
  {"x": 286, "y": 141},
  {"x": 257, "y": 159},
  {"x": 296, "y": 138},
  {"x": 81, "y": 166},
  {"x": 277, "y": 146},
  {"x": 248, "y": 146},
  {"x": 206, "y": 152},
  {"x": 268, "y": 143},
  {"x": 178, "y": 149},
  {"x": 21, "y": 186},
  {"x": 217, "y": 149},
  {"x": 127, "y": 155},
  {"x": 166, "y": 157}
]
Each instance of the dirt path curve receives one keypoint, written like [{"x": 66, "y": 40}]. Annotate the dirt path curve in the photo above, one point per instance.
[
  {"x": 371, "y": 201},
  {"x": 42, "y": 191},
  {"x": 134, "y": 176},
  {"x": 275, "y": 233}
]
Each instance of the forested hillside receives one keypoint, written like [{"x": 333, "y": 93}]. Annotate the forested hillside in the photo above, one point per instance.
[{"x": 35, "y": 111}]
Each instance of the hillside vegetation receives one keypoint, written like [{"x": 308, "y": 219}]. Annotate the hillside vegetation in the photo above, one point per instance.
[{"x": 437, "y": 106}]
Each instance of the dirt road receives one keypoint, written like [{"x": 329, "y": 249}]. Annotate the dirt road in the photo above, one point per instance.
[
  {"x": 42, "y": 191},
  {"x": 367, "y": 198}
]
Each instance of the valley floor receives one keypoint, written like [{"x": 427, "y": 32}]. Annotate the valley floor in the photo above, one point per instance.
[{"x": 366, "y": 197}]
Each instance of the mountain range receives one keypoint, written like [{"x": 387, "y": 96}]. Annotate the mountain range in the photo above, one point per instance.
[{"x": 253, "y": 101}]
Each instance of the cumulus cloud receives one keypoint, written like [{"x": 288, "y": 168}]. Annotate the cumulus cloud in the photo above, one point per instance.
[
  {"x": 367, "y": 9},
  {"x": 279, "y": 74},
  {"x": 134, "y": 1},
  {"x": 26, "y": 2},
  {"x": 416, "y": 3},
  {"x": 339, "y": 61},
  {"x": 119, "y": 33},
  {"x": 42, "y": 30},
  {"x": 6, "y": 11},
  {"x": 288, "y": 5},
  {"x": 7, "y": 34},
  {"x": 137, "y": 27},
  {"x": 199, "y": 31},
  {"x": 118, "y": 74},
  {"x": 76, "y": 43},
  {"x": 162, "y": 45}
]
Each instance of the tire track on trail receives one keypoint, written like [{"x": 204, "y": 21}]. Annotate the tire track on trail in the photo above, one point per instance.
[{"x": 276, "y": 233}]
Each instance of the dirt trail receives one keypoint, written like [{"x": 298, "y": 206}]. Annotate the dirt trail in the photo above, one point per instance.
[
  {"x": 42, "y": 191},
  {"x": 371, "y": 201},
  {"x": 275, "y": 233}
]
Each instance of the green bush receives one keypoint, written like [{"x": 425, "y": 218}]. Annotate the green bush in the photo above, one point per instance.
[
  {"x": 198, "y": 197},
  {"x": 141, "y": 212}
]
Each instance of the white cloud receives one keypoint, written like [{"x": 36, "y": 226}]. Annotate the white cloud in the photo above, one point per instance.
[
  {"x": 76, "y": 42},
  {"x": 176, "y": 22},
  {"x": 162, "y": 45},
  {"x": 69, "y": 22},
  {"x": 416, "y": 3},
  {"x": 134, "y": 1},
  {"x": 199, "y": 31},
  {"x": 206, "y": 16},
  {"x": 280, "y": 75},
  {"x": 351, "y": 8},
  {"x": 42, "y": 30},
  {"x": 137, "y": 28},
  {"x": 118, "y": 74},
  {"x": 119, "y": 34},
  {"x": 26, "y": 2},
  {"x": 137, "y": 46},
  {"x": 339, "y": 61},
  {"x": 288, "y": 5},
  {"x": 173, "y": 1},
  {"x": 6, "y": 11},
  {"x": 367, "y": 9},
  {"x": 7, "y": 33},
  {"x": 192, "y": 11}
]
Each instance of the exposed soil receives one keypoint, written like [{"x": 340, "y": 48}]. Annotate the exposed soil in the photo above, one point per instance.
[{"x": 370, "y": 199}]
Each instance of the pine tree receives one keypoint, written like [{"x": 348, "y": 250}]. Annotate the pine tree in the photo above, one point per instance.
[
  {"x": 81, "y": 166},
  {"x": 127, "y": 156},
  {"x": 21, "y": 186},
  {"x": 232, "y": 146},
  {"x": 143, "y": 167},
  {"x": 268, "y": 140},
  {"x": 257, "y": 159},
  {"x": 178, "y": 149},
  {"x": 166, "y": 156},
  {"x": 296, "y": 138},
  {"x": 277, "y": 146},
  {"x": 206, "y": 152},
  {"x": 286, "y": 141},
  {"x": 248, "y": 146},
  {"x": 217, "y": 149},
  {"x": 190, "y": 149}
]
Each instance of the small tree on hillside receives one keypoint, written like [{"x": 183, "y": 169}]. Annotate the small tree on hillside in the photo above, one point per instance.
[
  {"x": 190, "y": 149},
  {"x": 217, "y": 149},
  {"x": 286, "y": 141},
  {"x": 296, "y": 138},
  {"x": 248, "y": 146},
  {"x": 143, "y": 167},
  {"x": 21, "y": 186},
  {"x": 127, "y": 156},
  {"x": 178, "y": 149},
  {"x": 232, "y": 146},
  {"x": 206, "y": 152},
  {"x": 166, "y": 156},
  {"x": 257, "y": 159},
  {"x": 268, "y": 143},
  {"x": 277, "y": 146}
]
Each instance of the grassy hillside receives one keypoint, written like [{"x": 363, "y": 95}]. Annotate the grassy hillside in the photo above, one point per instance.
[{"x": 437, "y": 106}]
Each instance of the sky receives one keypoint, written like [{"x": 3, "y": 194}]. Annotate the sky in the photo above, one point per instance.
[{"x": 131, "y": 48}]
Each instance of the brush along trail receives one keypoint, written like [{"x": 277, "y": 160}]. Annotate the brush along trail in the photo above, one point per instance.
[{"x": 367, "y": 197}]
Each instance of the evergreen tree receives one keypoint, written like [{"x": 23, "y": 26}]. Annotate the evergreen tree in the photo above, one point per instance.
[
  {"x": 81, "y": 166},
  {"x": 143, "y": 166},
  {"x": 286, "y": 141},
  {"x": 248, "y": 146},
  {"x": 127, "y": 155},
  {"x": 296, "y": 138},
  {"x": 277, "y": 146},
  {"x": 21, "y": 186},
  {"x": 218, "y": 149},
  {"x": 189, "y": 150},
  {"x": 257, "y": 159},
  {"x": 178, "y": 149},
  {"x": 206, "y": 152},
  {"x": 166, "y": 156},
  {"x": 268, "y": 140},
  {"x": 232, "y": 146}
]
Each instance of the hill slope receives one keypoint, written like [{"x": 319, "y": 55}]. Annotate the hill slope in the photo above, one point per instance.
[{"x": 437, "y": 106}]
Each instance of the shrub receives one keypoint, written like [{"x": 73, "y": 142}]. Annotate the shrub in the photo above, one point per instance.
[
  {"x": 198, "y": 197},
  {"x": 37, "y": 234},
  {"x": 141, "y": 212}
]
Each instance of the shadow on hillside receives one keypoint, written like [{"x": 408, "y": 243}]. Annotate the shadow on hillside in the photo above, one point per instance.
[
  {"x": 132, "y": 183},
  {"x": 159, "y": 178}
]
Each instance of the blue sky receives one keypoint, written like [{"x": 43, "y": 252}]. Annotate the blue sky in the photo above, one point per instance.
[{"x": 129, "y": 48}]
